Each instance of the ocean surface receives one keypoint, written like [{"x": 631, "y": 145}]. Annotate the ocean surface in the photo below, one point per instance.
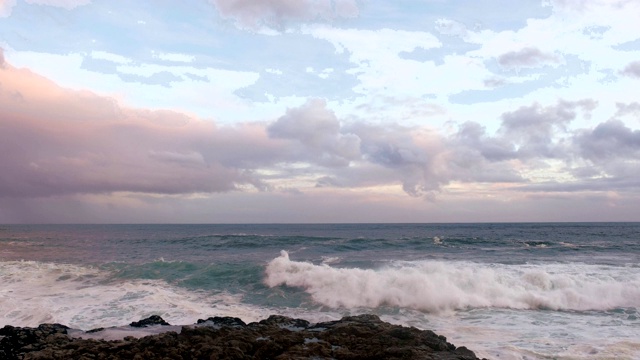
[{"x": 506, "y": 291}]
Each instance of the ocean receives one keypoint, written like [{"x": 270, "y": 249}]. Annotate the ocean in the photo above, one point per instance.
[{"x": 504, "y": 290}]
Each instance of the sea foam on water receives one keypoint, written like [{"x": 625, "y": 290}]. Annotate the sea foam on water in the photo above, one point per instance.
[{"x": 84, "y": 297}]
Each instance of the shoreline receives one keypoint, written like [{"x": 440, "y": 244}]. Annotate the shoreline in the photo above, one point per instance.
[{"x": 277, "y": 337}]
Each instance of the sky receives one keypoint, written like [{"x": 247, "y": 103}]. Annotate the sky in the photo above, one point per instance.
[{"x": 319, "y": 111}]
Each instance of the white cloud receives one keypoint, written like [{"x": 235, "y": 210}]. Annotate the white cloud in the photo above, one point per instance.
[
  {"x": 6, "y": 6},
  {"x": 277, "y": 13},
  {"x": 67, "y": 4},
  {"x": 371, "y": 44},
  {"x": 174, "y": 57},
  {"x": 325, "y": 73},
  {"x": 273, "y": 71},
  {"x": 450, "y": 27},
  {"x": 103, "y": 55},
  {"x": 213, "y": 98},
  {"x": 380, "y": 68}
]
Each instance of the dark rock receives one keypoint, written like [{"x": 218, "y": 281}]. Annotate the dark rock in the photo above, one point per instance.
[
  {"x": 151, "y": 320},
  {"x": 278, "y": 337},
  {"x": 284, "y": 322},
  {"x": 17, "y": 341},
  {"x": 224, "y": 321}
]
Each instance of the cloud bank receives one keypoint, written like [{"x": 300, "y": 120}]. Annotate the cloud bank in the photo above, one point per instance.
[{"x": 57, "y": 142}]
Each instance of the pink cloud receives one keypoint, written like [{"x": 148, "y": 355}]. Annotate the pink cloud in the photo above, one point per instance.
[
  {"x": 58, "y": 141},
  {"x": 6, "y": 6}
]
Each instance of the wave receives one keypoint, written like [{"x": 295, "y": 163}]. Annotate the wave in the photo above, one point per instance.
[
  {"x": 437, "y": 286},
  {"x": 86, "y": 297}
]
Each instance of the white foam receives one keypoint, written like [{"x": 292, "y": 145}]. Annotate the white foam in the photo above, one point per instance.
[
  {"x": 331, "y": 259},
  {"x": 32, "y": 293},
  {"x": 437, "y": 286},
  {"x": 119, "y": 333}
]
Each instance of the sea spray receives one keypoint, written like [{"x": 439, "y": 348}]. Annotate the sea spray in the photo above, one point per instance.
[{"x": 436, "y": 286}]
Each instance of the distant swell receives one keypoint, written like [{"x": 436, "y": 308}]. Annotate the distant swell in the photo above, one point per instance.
[{"x": 436, "y": 286}]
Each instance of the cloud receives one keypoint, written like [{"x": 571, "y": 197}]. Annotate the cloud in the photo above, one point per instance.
[
  {"x": 632, "y": 69},
  {"x": 59, "y": 142},
  {"x": 473, "y": 137},
  {"x": 6, "y": 6},
  {"x": 609, "y": 140},
  {"x": 450, "y": 27},
  {"x": 277, "y": 13},
  {"x": 584, "y": 5},
  {"x": 67, "y": 4},
  {"x": 494, "y": 82},
  {"x": 570, "y": 4},
  {"x": 317, "y": 129},
  {"x": 56, "y": 141},
  {"x": 533, "y": 130},
  {"x": 628, "y": 109},
  {"x": 526, "y": 57},
  {"x": 414, "y": 154}
]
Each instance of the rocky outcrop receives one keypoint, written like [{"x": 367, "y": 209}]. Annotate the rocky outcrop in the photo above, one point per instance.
[{"x": 278, "y": 337}]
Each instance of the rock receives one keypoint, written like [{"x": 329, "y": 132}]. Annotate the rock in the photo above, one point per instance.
[
  {"x": 151, "y": 320},
  {"x": 277, "y": 337},
  {"x": 15, "y": 341},
  {"x": 285, "y": 322},
  {"x": 224, "y": 321}
]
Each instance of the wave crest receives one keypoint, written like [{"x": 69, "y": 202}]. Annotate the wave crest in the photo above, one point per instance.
[{"x": 436, "y": 286}]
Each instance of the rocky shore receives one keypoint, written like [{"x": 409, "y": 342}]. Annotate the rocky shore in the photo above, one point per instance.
[{"x": 278, "y": 337}]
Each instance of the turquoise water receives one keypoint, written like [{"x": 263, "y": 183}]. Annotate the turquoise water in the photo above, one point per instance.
[{"x": 516, "y": 291}]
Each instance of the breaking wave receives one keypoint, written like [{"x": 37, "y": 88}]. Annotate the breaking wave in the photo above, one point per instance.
[{"x": 437, "y": 286}]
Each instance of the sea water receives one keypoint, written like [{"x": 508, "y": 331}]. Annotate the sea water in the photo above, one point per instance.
[{"x": 506, "y": 291}]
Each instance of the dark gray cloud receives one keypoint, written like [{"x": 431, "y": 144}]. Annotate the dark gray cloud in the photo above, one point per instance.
[
  {"x": 533, "y": 128},
  {"x": 526, "y": 57},
  {"x": 632, "y": 69},
  {"x": 609, "y": 140},
  {"x": 473, "y": 136},
  {"x": 414, "y": 154},
  {"x": 317, "y": 130}
]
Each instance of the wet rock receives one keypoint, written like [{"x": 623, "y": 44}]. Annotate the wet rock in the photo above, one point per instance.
[
  {"x": 285, "y": 322},
  {"x": 224, "y": 321},
  {"x": 150, "y": 321},
  {"x": 278, "y": 337}
]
